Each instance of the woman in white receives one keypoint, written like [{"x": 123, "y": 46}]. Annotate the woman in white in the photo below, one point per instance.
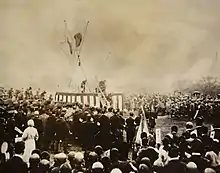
[{"x": 30, "y": 135}]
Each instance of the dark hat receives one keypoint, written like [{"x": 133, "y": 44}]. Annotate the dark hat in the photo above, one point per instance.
[
  {"x": 98, "y": 149},
  {"x": 45, "y": 155},
  {"x": 19, "y": 147}
]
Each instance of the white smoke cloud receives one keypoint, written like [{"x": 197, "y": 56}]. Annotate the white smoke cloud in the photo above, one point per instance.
[{"x": 153, "y": 43}]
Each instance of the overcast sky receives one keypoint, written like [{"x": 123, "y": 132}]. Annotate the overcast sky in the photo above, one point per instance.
[{"x": 153, "y": 43}]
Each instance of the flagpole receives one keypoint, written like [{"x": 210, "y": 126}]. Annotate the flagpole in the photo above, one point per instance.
[
  {"x": 84, "y": 35},
  {"x": 102, "y": 92}
]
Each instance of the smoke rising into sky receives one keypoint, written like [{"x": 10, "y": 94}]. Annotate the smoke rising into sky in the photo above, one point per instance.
[{"x": 153, "y": 43}]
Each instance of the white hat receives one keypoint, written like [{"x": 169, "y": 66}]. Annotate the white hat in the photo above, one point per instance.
[
  {"x": 79, "y": 157},
  {"x": 97, "y": 165},
  {"x": 116, "y": 170},
  {"x": 30, "y": 123},
  {"x": 209, "y": 170},
  {"x": 36, "y": 113},
  {"x": 191, "y": 165},
  {"x": 61, "y": 156}
]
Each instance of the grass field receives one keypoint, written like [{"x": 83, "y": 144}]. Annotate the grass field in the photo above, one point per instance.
[{"x": 165, "y": 123}]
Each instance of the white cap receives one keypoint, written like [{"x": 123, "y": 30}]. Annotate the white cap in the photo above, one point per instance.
[
  {"x": 79, "y": 157},
  {"x": 116, "y": 170},
  {"x": 191, "y": 165},
  {"x": 97, "y": 165},
  {"x": 36, "y": 113},
  {"x": 209, "y": 170}
]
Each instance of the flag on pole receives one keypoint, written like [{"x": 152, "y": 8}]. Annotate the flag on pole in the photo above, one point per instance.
[
  {"x": 78, "y": 39},
  {"x": 143, "y": 127},
  {"x": 70, "y": 46}
]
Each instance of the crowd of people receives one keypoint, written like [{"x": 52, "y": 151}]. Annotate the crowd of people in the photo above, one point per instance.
[
  {"x": 34, "y": 129},
  {"x": 178, "y": 104}
]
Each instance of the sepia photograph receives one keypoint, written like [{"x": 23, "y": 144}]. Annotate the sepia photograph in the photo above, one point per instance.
[{"x": 110, "y": 86}]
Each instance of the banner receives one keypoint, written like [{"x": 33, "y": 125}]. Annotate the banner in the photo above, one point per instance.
[{"x": 158, "y": 136}]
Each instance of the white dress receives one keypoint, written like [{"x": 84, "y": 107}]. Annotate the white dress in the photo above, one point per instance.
[{"x": 30, "y": 135}]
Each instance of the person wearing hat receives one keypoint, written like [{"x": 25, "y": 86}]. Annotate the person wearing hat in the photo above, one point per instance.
[
  {"x": 174, "y": 164},
  {"x": 143, "y": 169},
  {"x": 209, "y": 170},
  {"x": 45, "y": 155},
  {"x": 34, "y": 163},
  {"x": 59, "y": 159},
  {"x": 79, "y": 161},
  {"x": 44, "y": 166},
  {"x": 30, "y": 135},
  {"x": 91, "y": 158},
  {"x": 192, "y": 167},
  {"x": 189, "y": 126},
  {"x": 65, "y": 168},
  {"x": 197, "y": 150},
  {"x": 116, "y": 170},
  {"x": 130, "y": 129},
  {"x": 16, "y": 163},
  {"x": 97, "y": 167},
  {"x": 71, "y": 158}
]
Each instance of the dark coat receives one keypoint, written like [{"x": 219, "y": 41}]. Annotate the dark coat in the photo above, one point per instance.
[
  {"x": 175, "y": 166},
  {"x": 15, "y": 165}
]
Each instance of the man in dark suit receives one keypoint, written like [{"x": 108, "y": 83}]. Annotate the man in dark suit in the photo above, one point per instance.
[
  {"x": 196, "y": 156},
  {"x": 130, "y": 129},
  {"x": 16, "y": 163},
  {"x": 174, "y": 165}
]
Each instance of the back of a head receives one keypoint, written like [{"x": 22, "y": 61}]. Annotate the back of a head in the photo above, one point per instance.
[
  {"x": 30, "y": 123},
  {"x": 45, "y": 155},
  {"x": 34, "y": 160},
  {"x": 152, "y": 143},
  {"x": 192, "y": 167},
  {"x": 44, "y": 166},
  {"x": 93, "y": 157},
  {"x": 60, "y": 158},
  {"x": 65, "y": 168},
  {"x": 197, "y": 146},
  {"x": 114, "y": 154},
  {"x": 209, "y": 170},
  {"x": 36, "y": 151},
  {"x": 97, "y": 167},
  {"x": 116, "y": 170},
  {"x": 174, "y": 152},
  {"x": 146, "y": 161},
  {"x": 71, "y": 156},
  {"x": 143, "y": 168},
  {"x": 144, "y": 141},
  {"x": 143, "y": 135},
  {"x": 174, "y": 129},
  {"x": 189, "y": 125},
  {"x": 98, "y": 149},
  {"x": 79, "y": 158},
  {"x": 19, "y": 147}
]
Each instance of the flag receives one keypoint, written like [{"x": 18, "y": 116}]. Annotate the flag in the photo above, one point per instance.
[
  {"x": 143, "y": 127},
  {"x": 70, "y": 46},
  {"x": 78, "y": 39}
]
